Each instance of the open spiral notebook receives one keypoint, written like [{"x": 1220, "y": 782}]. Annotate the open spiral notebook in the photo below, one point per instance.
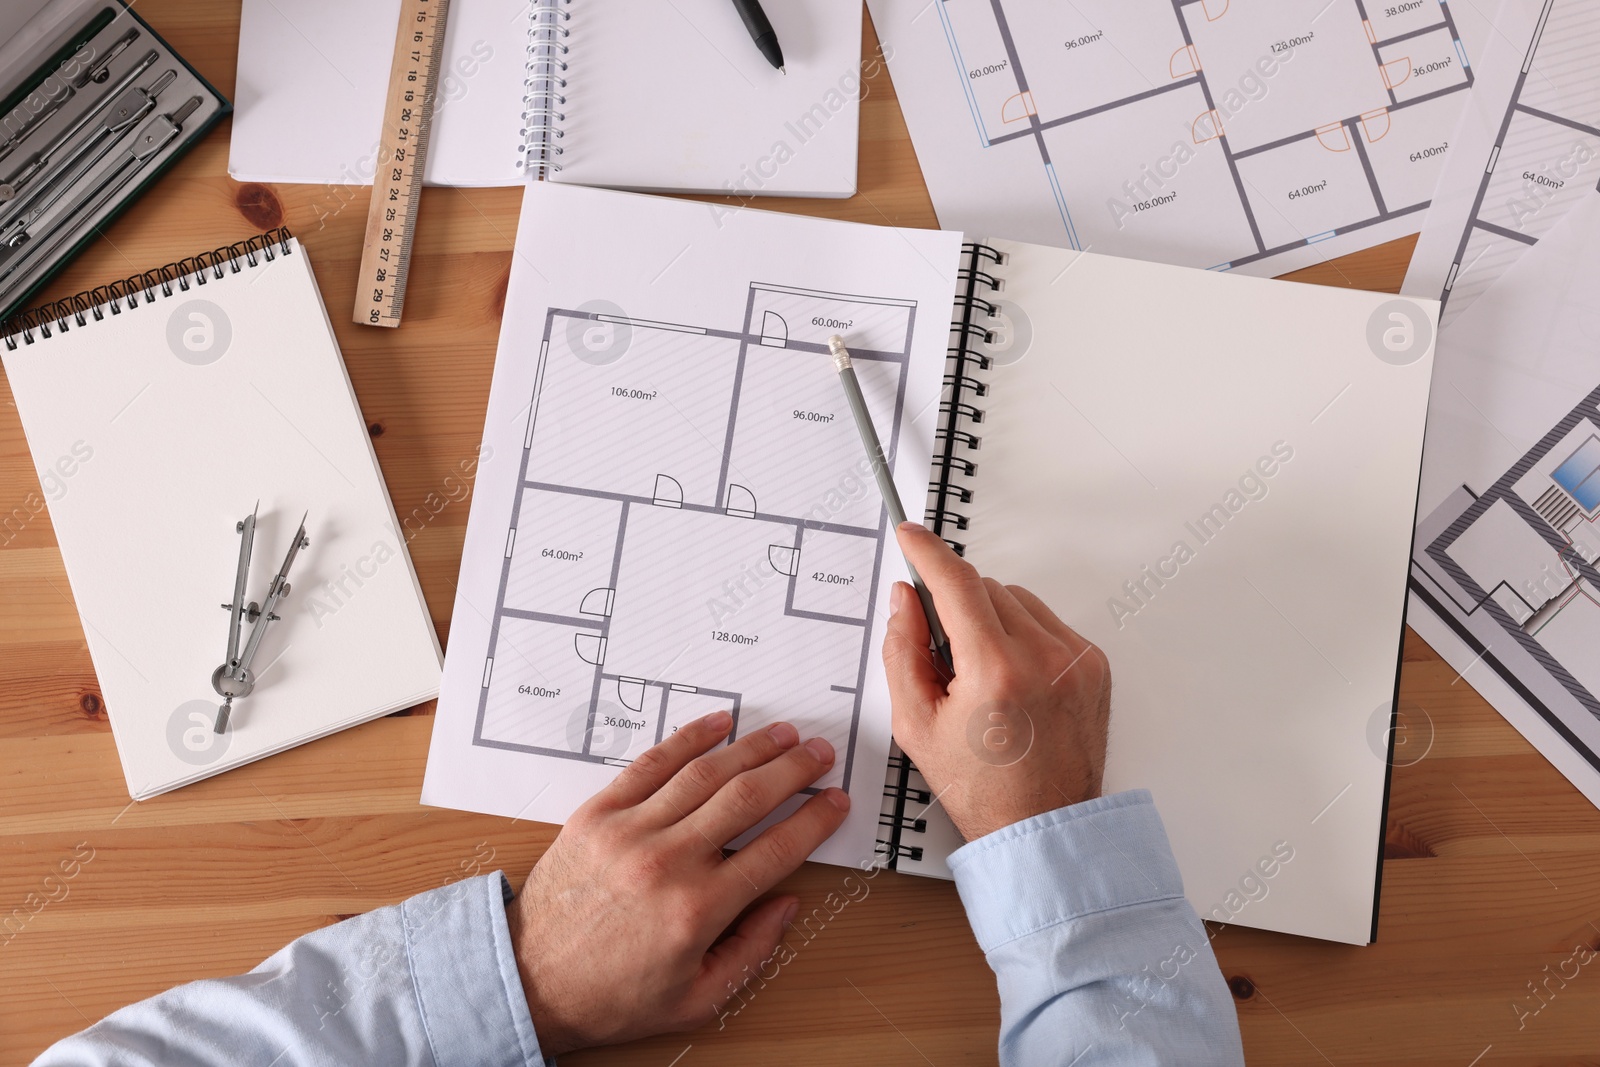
[
  {"x": 1208, "y": 477},
  {"x": 629, "y": 93},
  {"x": 1212, "y": 477}
]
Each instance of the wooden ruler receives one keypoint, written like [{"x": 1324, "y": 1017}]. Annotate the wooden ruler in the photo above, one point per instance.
[{"x": 402, "y": 150}]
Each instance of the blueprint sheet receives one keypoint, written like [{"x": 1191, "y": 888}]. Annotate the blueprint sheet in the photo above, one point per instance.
[
  {"x": 674, "y": 514},
  {"x": 1527, "y": 149},
  {"x": 1508, "y": 542},
  {"x": 1251, "y": 135}
]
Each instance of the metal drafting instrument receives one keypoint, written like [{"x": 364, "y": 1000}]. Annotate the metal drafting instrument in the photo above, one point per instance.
[{"x": 235, "y": 678}]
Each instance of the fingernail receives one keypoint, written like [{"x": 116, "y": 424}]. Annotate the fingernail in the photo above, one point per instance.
[
  {"x": 783, "y": 735},
  {"x": 838, "y": 798},
  {"x": 821, "y": 749},
  {"x": 790, "y": 912},
  {"x": 912, "y": 527},
  {"x": 897, "y": 598},
  {"x": 718, "y": 721}
]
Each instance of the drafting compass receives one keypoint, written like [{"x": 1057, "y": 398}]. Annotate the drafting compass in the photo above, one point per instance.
[{"x": 235, "y": 678}]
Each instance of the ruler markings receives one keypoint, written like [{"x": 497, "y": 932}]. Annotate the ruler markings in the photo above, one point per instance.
[{"x": 402, "y": 156}]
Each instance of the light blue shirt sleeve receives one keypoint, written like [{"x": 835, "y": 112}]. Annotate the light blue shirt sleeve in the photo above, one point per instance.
[
  {"x": 1101, "y": 962},
  {"x": 431, "y": 982}
]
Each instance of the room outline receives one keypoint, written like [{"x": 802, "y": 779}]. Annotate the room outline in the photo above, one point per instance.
[
  {"x": 1514, "y": 571},
  {"x": 1348, "y": 178},
  {"x": 694, "y": 528},
  {"x": 1528, "y": 186}
]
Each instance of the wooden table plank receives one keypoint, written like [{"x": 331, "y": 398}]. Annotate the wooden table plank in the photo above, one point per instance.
[{"x": 1493, "y": 873}]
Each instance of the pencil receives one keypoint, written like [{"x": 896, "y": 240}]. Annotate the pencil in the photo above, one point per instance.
[{"x": 885, "y": 480}]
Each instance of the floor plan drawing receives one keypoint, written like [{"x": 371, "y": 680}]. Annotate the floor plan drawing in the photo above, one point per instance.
[
  {"x": 1252, "y": 135},
  {"x": 694, "y": 529},
  {"x": 1515, "y": 571},
  {"x": 1530, "y": 149},
  {"x": 1505, "y": 566}
]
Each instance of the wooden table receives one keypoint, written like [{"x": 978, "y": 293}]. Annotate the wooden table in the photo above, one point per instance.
[{"x": 1492, "y": 873}]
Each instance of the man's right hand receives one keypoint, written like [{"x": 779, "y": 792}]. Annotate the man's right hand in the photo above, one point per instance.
[
  {"x": 635, "y": 921},
  {"x": 1021, "y": 728}
]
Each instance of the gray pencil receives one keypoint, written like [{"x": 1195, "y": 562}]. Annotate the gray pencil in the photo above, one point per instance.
[{"x": 891, "y": 496}]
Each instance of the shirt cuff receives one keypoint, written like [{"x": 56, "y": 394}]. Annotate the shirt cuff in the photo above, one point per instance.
[
  {"x": 1107, "y": 853},
  {"x": 470, "y": 996}
]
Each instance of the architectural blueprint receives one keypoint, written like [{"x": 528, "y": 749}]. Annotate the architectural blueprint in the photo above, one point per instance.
[
  {"x": 676, "y": 515},
  {"x": 649, "y": 579},
  {"x": 1527, "y": 149},
  {"x": 1507, "y": 555},
  {"x": 1250, "y": 135}
]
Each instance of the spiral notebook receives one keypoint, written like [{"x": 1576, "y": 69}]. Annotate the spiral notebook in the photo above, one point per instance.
[
  {"x": 1212, "y": 477},
  {"x": 1208, "y": 476},
  {"x": 629, "y": 93},
  {"x": 162, "y": 410}
]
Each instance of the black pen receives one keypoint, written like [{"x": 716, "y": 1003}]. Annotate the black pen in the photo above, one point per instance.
[{"x": 755, "y": 20}]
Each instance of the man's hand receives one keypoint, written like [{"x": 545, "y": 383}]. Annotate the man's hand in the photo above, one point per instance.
[
  {"x": 634, "y": 922},
  {"x": 1021, "y": 728}
]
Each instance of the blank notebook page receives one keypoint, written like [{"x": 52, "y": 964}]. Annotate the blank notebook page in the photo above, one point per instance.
[
  {"x": 154, "y": 431},
  {"x": 671, "y": 96},
  {"x": 677, "y": 97},
  {"x": 1253, "y": 669},
  {"x": 312, "y": 79}
]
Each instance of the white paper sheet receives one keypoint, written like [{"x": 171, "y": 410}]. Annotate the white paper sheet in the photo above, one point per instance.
[
  {"x": 1253, "y": 135},
  {"x": 154, "y": 431},
  {"x": 658, "y": 96},
  {"x": 1527, "y": 149},
  {"x": 674, "y": 515},
  {"x": 676, "y": 97},
  {"x": 309, "y": 102},
  {"x": 1503, "y": 574}
]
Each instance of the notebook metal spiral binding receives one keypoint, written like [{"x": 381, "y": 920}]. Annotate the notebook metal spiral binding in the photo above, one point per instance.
[
  {"x": 898, "y": 790},
  {"x": 46, "y": 320},
  {"x": 954, "y": 438},
  {"x": 544, "y": 87},
  {"x": 968, "y": 329}
]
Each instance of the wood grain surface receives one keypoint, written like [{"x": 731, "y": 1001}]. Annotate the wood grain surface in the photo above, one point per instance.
[{"x": 1490, "y": 880}]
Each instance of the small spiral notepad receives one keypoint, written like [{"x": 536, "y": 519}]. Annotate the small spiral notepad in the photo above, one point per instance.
[{"x": 161, "y": 410}]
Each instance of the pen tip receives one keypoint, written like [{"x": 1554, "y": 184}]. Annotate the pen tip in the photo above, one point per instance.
[{"x": 783, "y": 72}]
